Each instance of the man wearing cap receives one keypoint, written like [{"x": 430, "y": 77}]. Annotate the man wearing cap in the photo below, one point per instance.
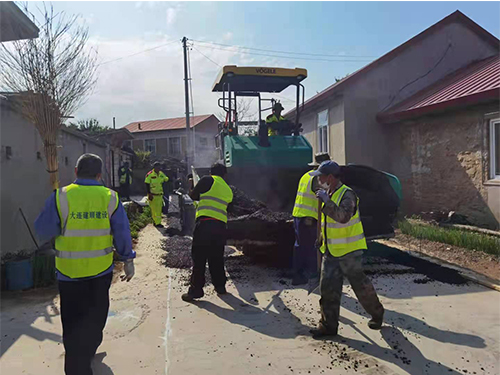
[
  {"x": 342, "y": 244},
  {"x": 154, "y": 186},
  {"x": 305, "y": 221},
  {"x": 274, "y": 118}
]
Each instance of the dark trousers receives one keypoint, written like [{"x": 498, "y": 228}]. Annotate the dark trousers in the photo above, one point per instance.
[
  {"x": 333, "y": 271},
  {"x": 304, "y": 254},
  {"x": 166, "y": 201},
  {"x": 209, "y": 240},
  {"x": 84, "y": 310},
  {"x": 125, "y": 191}
]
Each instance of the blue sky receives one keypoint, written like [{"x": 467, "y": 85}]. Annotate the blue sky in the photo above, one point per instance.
[{"x": 149, "y": 85}]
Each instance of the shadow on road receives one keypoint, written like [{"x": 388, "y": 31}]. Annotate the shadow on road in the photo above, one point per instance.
[
  {"x": 19, "y": 310},
  {"x": 99, "y": 367},
  {"x": 283, "y": 325},
  {"x": 418, "y": 326},
  {"x": 402, "y": 352}
]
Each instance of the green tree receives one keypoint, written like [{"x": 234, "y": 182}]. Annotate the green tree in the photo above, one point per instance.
[{"x": 89, "y": 126}]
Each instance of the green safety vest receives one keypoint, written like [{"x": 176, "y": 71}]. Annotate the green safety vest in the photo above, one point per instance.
[
  {"x": 306, "y": 203},
  {"x": 342, "y": 239},
  {"x": 124, "y": 176},
  {"x": 155, "y": 181},
  {"x": 214, "y": 202},
  {"x": 85, "y": 246},
  {"x": 270, "y": 119}
]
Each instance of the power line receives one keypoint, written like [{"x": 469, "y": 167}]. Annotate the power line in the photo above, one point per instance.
[
  {"x": 284, "y": 52},
  {"x": 208, "y": 58},
  {"x": 137, "y": 53},
  {"x": 286, "y": 57}
]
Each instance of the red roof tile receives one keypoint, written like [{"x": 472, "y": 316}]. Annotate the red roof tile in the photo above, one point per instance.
[
  {"x": 165, "y": 124},
  {"x": 476, "y": 83}
]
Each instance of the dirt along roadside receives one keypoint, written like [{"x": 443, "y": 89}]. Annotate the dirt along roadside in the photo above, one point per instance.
[
  {"x": 433, "y": 323},
  {"x": 477, "y": 261}
]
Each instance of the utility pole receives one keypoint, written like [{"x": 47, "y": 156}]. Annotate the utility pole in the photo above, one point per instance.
[
  {"x": 186, "y": 94},
  {"x": 114, "y": 124}
]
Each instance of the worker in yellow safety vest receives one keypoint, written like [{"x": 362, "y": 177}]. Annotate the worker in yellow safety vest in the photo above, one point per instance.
[
  {"x": 305, "y": 218},
  {"x": 87, "y": 220},
  {"x": 125, "y": 174},
  {"x": 342, "y": 244},
  {"x": 275, "y": 117},
  {"x": 209, "y": 237},
  {"x": 154, "y": 186}
]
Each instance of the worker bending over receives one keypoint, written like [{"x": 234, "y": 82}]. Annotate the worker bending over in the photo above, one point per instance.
[
  {"x": 209, "y": 238},
  {"x": 87, "y": 220},
  {"x": 342, "y": 244},
  {"x": 275, "y": 117},
  {"x": 305, "y": 222},
  {"x": 154, "y": 186}
]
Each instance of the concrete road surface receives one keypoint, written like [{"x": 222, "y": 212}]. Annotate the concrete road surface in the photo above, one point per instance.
[{"x": 261, "y": 327}]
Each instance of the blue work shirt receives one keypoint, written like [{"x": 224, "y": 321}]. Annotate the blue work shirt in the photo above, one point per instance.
[{"x": 48, "y": 226}]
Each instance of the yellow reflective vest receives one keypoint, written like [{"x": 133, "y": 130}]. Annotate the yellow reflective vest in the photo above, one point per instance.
[
  {"x": 214, "y": 202},
  {"x": 124, "y": 175},
  {"x": 342, "y": 238},
  {"x": 85, "y": 246},
  {"x": 270, "y": 119},
  {"x": 306, "y": 203},
  {"x": 155, "y": 181}
]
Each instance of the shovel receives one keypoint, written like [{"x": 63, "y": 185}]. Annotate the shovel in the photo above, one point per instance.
[{"x": 314, "y": 281}]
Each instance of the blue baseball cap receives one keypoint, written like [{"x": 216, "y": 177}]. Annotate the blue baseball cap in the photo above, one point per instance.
[{"x": 326, "y": 168}]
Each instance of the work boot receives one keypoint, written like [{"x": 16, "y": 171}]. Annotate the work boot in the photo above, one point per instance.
[
  {"x": 190, "y": 296},
  {"x": 299, "y": 280},
  {"x": 159, "y": 226},
  {"x": 376, "y": 323},
  {"x": 322, "y": 331},
  {"x": 221, "y": 289}
]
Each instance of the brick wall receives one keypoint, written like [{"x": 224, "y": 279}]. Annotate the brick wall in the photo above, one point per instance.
[{"x": 442, "y": 163}]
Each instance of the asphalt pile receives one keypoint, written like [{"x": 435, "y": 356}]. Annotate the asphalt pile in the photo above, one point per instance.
[
  {"x": 242, "y": 204},
  {"x": 250, "y": 219},
  {"x": 177, "y": 252}
]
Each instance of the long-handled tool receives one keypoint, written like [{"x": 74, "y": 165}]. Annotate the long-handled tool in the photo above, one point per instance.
[{"x": 314, "y": 282}]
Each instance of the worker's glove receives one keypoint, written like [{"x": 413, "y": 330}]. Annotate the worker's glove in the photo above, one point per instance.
[
  {"x": 128, "y": 267},
  {"x": 323, "y": 195},
  {"x": 150, "y": 197}
]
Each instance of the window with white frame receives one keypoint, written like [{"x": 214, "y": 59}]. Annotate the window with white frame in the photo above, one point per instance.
[
  {"x": 174, "y": 146},
  {"x": 323, "y": 133},
  {"x": 150, "y": 145},
  {"x": 495, "y": 148}
]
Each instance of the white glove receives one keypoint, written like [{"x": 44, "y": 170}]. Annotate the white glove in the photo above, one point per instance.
[
  {"x": 128, "y": 267},
  {"x": 323, "y": 195}
]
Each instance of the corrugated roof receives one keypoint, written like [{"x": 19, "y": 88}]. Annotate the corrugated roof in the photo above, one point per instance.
[
  {"x": 165, "y": 124},
  {"x": 476, "y": 83},
  {"x": 455, "y": 17}
]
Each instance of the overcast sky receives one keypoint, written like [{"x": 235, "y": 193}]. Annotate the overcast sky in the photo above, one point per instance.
[{"x": 149, "y": 85}]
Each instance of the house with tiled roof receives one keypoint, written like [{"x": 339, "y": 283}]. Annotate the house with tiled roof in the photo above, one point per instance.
[
  {"x": 167, "y": 138},
  {"x": 428, "y": 112}
]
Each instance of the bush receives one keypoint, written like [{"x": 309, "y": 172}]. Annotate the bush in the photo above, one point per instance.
[
  {"x": 455, "y": 237},
  {"x": 142, "y": 159},
  {"x": 138, "y": 220}
]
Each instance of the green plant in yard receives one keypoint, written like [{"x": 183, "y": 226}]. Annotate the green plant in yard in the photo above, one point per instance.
[
  {"x": 138, "y": 220},
  {"x": 142, "y": 159},
  {"x": 455, "y": 237}
]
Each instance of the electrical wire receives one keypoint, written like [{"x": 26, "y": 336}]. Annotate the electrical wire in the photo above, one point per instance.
[
  {"x": 208, "y": 58},
  {"x": 282, "y": 56},
  {"x": 277, "y": 51},
  {"x": 418, "y": 78},
  {"x": 137, "y": 53}
]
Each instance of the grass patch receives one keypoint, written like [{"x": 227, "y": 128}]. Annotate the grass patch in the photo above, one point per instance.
[
  {"x": 455, "y": 237},
  {"x": 139, "y": 220}
]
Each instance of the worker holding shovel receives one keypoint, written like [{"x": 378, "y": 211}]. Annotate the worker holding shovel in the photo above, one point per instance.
[
  {"x": 342, "y": 244},
  {"x": 305, "y": 214}
]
